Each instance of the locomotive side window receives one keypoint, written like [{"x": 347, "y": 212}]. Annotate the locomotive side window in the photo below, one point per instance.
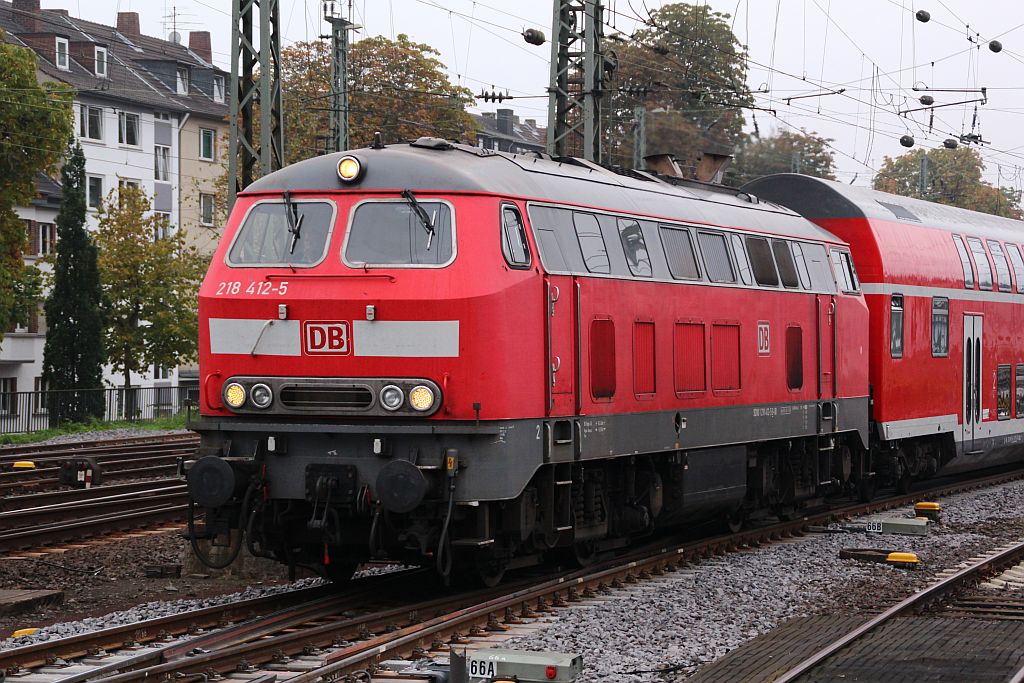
[
  {"x": 845, "y": 275},
  {"x": 688, "y": 349},
  {"x": 270, "y": 237},
  {"x": 817, "y": 268},
  {"x": 1004, "y": 375},
  {"x": 794, "y": 357},
  {"x": 981, "y": 259},
  {"x": 588, "y": 232},
  {"x": 513, "y": 238},
  {"x": 762, "y": 262},
  {"x": 602, "y": 358},
  {"x": 716, "y": 257},
  {"x": 801, "y": 265},
  {"x": 682, "y": 262},
  {"x": 940, "y": 326},
  {"x": 965, "y": 262},
  {"x": 1020, "y": 390},
  {"x": 896, "y": 326},
  {"x": 784, "y": 258},
  {"x": 556, "y": 239},
  {"x": 1018, "y": 265},
  {"x": 1002, "y": 267},
  {"x": 741, "y": 259},
  {"x": 400, "y": 232},
  {"x": 632, "y": 238}
]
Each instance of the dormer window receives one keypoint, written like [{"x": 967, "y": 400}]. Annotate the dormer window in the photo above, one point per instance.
[
  {"x": 101, "y": 62},
  {"x": 63, "y": 61},
  {"x": 218, "y": 88},
  {"x": 182, "y": 80}
]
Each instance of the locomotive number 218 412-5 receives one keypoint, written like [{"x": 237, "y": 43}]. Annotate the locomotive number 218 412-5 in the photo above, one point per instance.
[{"x": 255, "y": 288}]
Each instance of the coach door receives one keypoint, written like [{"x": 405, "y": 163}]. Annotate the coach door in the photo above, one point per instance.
[
  {"x": 972, "y": 380},
  {"x": 562, "y": 340}
]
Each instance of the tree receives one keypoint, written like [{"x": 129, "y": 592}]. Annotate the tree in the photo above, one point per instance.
[
  {"x": 150, "y": 279},
  {"x": 688, "y": 70},
  {"x": 785, "y": 152},
  {"x": 953, "y": 176},
  {"x": 397, "y": 87},
  {"x": 35, "y": 125},
  {"x": 73, "y": 355}
]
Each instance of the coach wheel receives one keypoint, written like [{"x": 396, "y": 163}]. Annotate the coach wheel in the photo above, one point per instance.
[
  {"x": 340, "y": 572},
  {"x": 866, "y": 489}
]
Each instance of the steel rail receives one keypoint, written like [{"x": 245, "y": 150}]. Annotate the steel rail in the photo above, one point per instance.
[
  {"x": 119, "y": 475},
  {"x": 122, "y": 502},
  {"x": 62, "y": 532},
  {"x": 77, "y": 447},
  {"x": 30, "y": 500}
]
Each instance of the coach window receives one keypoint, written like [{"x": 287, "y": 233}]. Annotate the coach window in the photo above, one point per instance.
[
  {"x": 784, "y": 258},
  {"x": 1020, "y": 390},
  {"x": 513, "y": 238},
  {"x": 588, "y": 232},
  {"x": 682, "y": 262},
  {"x": 1002, "y": 267},
  {"x": 794, "y": 357},
  {"x": 742, "y": 263},
  {"x": 269, "y": 237},
  {"x": 762, "y": 262},
  {"x": 940, "y": 326},
  {"x": 896, "y": 326},
  {"x": 1018, "y": 265},
  {"x": 981, "y": 260},
  {"x": 716, "y": 257},
  {"x": 1004, "y": 375},
  {"x": 965, "y": 262},
  {"x": 801, "y": 265},
  {"x": 632, "y": 238}
]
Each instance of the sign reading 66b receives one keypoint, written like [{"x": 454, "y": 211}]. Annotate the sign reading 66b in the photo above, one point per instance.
[{"x": 322, "y": 337}]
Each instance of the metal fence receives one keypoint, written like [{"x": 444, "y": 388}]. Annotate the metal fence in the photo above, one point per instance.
[{"x": 33, "y": 411}]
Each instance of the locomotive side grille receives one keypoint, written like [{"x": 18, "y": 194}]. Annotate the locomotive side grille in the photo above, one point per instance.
[{"x": 327, "y": 396}]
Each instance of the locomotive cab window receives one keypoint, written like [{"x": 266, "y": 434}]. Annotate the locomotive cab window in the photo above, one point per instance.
[
  {"x": 633, "y": 245},
  {"x": 940, "y": 326},
  {"x": 682, "y": 262},
  {"x": 1004, "y": 404},
  {"x": 1002, "y": 267},
  {"x": 1018, "y": 265},
  {"x": 965, "y": 262},
  {"x": 981, "y": 260},
  {"x": 742, "y": 263},
  {"x": 801, "y": 265},
  {"x": 845, "y": 275},
  {"x": 588, "y": 232},
  {"x": 762, "y": 262},
  {"x": 277, "y": 233},
  {"x": 403, "y": 232},
  {"x": 896, "y": 326},
  {"x": 716, "y": 257},
  {"x": 513, "y": 238}
]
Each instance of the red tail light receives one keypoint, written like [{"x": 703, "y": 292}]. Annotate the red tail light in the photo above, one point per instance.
[{"x": 551, "y": 672}]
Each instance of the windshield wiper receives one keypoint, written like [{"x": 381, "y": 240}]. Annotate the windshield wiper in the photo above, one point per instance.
[
  {"x": 294, "y": 220},
  {"x": 421, "y": 213}
]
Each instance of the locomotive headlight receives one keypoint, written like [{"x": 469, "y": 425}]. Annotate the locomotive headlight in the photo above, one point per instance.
[
  {"x": 349, "y": 169},
  {"x": 421, "y": 398},
  {"x": 391, "y": 397},
  {"x": 234, "y": 395},
  {"x": 261, "y": 395}
]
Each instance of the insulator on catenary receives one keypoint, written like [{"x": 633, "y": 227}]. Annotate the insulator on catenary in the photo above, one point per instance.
[
  {"x": 923, "y": 16},
  {"x": 950, "y": 143},
  {"x": 927, "y": 100},
  {"x": 995, "y": 46},
  {"x": 907, "y": 140},
  {"x": 534, "y": 37}
]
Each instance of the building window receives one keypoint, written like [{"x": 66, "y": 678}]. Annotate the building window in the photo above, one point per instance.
[
  {"x": 161, "y": 372},
  {"x": 207, "y": 147},
  {"x": 206, "y": 209},
  {"x": 128, "y": 182},
  {"x": 9, "y": 395},
  {"x": 95, "y": 191},
  {"x": 162, "y": 163},
  {"x": 47, "y": 238},
  {"x": 162, "y": 227},
  {"x": 182, "y": 80},
  {"x": 218, "y": 88},
  {"x": 1004, "y": 376},
  {"x": 91, "y": 122},
  {"x": 128, "y": 129},
  {"x": 39, "y": 395},
  {"x": 940, "y": 326},
  {"x": 896, "y": 326},
  {"x": 63, "y": 61},
  {"x": 101, "y": 62},
  {"x": 161, "y": 116}
]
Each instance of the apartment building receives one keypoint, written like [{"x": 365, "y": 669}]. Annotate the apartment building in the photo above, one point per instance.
[{"x": 149, "y": 112}]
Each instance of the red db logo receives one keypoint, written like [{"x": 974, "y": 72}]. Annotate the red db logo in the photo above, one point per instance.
[
  {"x": 764, "y": 343},
  {"x": 325, "y": 337}
]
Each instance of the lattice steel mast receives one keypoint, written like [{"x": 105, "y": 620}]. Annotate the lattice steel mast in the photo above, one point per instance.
[{"x": 577, "y": 79}]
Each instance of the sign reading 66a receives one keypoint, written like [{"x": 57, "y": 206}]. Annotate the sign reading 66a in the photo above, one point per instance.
[{"x": 323, "y": 337}]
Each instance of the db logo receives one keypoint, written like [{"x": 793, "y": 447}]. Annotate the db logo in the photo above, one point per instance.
[
  {"x": 325, "y": 337},
  {"x": 764, "y": 346}
]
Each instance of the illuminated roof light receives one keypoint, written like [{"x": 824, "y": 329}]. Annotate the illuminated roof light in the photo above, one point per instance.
[{"x": 349, "y": 168}]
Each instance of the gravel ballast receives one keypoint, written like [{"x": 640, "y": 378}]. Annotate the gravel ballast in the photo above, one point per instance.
[{"x": 665, "y": 629}]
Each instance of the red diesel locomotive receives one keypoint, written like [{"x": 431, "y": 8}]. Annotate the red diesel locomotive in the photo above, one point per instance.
[{"x": 441, "y": 354}]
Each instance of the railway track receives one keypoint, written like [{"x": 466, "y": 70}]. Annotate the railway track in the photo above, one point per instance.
[{"x": 319, "y": 642}]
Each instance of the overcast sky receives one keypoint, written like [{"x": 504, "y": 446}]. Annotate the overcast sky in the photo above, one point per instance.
[{"x": 875, "y": 49}]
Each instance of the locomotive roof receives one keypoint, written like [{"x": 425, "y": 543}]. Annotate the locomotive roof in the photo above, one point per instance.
[
  {"x": 816, "y": 199},
  {"x": 432, "y": 165}
]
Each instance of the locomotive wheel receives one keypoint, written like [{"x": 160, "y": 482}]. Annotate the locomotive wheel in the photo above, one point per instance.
[
  {"x": 479, "y": 569},
  {"x": 866, "y": 489},
  {"x": 340, "y": 573},
  {"x": 584, "y": 553},
  {"x": 736, "y": 522}
]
